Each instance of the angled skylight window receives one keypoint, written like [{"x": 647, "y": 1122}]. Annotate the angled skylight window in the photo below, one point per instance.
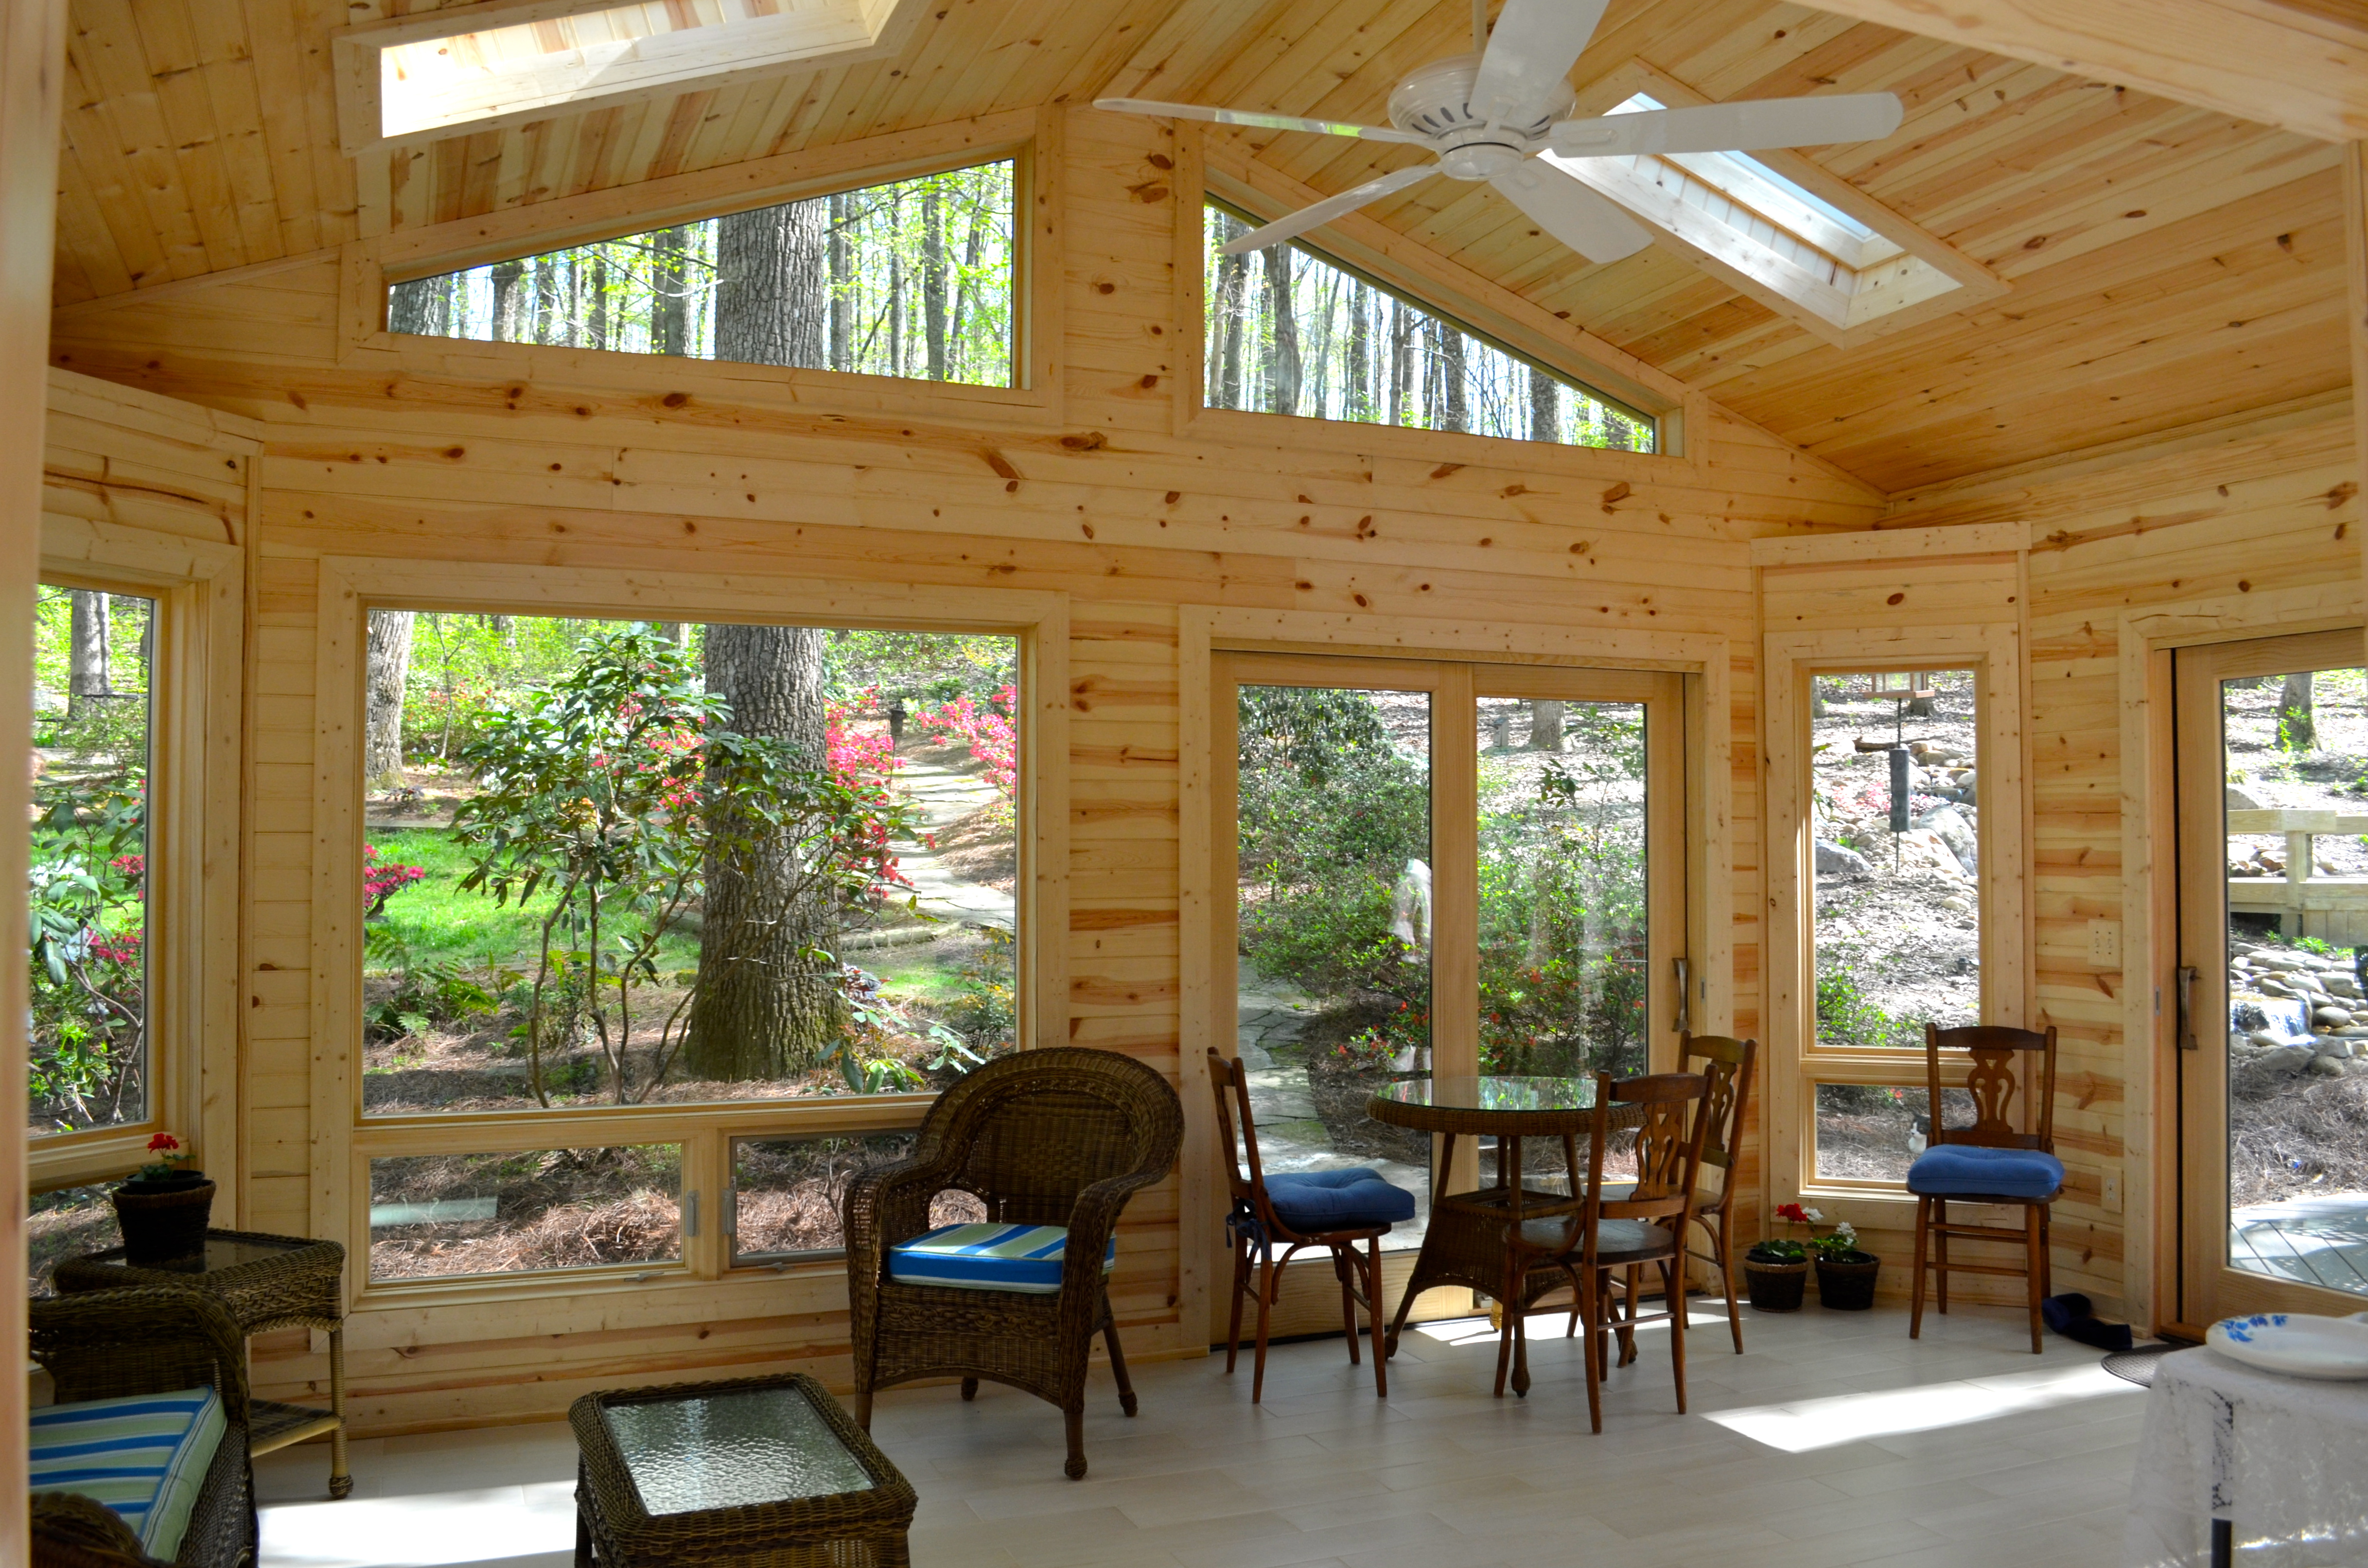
[
  {"x": 520, "y": 61},
  {"x": 1823, "y": 265},
  {"x": 911, "y": 278},
  {"x": 1292, "y": 331}
]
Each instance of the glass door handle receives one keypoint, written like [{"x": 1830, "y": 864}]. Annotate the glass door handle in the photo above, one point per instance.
[{"x": 2187, "y": 977}]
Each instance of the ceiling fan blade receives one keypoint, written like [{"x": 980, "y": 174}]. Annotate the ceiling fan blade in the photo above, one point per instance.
[
  {"x": 1255, "y": 116},
  {"x": 1525, "y": 74},
  {"x": 1331, "y": 206},
  {"x": 1732, "y": 128},
  {"x": 1572, "y": 212}
]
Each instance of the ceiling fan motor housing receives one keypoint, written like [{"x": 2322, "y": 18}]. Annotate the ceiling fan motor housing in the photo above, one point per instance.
[{"x": 1435, "y": 102}]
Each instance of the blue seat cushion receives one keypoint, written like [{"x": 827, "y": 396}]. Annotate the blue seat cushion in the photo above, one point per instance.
[
  {"x": 146, "y": 1455},
  {"x": 1027, "y": 1258},
  {"x": 1356, "y": 1199},
  {"x": 1951, "y": 1170}
]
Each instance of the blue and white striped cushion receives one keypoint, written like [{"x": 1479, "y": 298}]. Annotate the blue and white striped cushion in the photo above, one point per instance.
[
  {"x": 988, "y": 1257},
  {"x": 146, "y": 1455}
]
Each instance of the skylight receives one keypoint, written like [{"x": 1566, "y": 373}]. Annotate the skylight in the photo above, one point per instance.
[
  {"x": 1802, "y": 253},
  {"x": 519, "y": 61}
]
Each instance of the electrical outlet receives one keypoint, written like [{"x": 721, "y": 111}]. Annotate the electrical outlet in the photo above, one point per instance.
[
  {"x": 2105, "y": 943},
  {"x": 2111, "y": 1197}
]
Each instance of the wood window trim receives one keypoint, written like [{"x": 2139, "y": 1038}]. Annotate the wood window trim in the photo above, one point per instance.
[
  {"x": 1796, "y": 1062},
  {"x": 1030, "y": 138},
  {"x": 195, "y": 1022},
  {"x": 340, "y": 1158},
  {"x": 2144, "y": 639},
  {"x": 1204, "y": 167},
  {"x": 1704, "y": 663}
]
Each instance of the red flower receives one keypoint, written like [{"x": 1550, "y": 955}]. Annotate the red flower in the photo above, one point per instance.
[
  {"x": 163, "y": 1140},
  {"x": 1791, "y": 1211}
]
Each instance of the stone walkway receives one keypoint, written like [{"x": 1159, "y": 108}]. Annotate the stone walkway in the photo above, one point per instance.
[
  {"x": 944, "y": 797},
  {"x": 1291, "y": 1137}
]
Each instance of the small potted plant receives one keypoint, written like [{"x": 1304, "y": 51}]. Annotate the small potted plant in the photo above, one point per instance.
[
  {"x": 1845, "y": 1275},
  {"x": 164, "y": 1207},
  {"x": 1776, "y": 1271}
]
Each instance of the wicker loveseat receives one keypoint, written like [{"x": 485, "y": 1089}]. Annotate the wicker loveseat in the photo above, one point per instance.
[
  {"x": 110, "y": 1344},
  {"x": 1061, "y": 1136}
]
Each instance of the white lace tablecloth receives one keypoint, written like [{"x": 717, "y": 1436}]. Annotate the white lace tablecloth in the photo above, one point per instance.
[{"x": 2286, "y": 1458}]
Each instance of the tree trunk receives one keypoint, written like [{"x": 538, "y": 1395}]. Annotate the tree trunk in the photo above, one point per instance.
[
  {"x": 1458, "y": 397},
  {"x": 772, "y": 285},
  {"x": 670, "y": 294},
  {"x": 418, "y": 307},
  {"x": 1545, "y": 406},
  {"x": 1546, "y": 726},
  {"x": 933, "y": 278},
  {"x": 842, "y": 276},
  {"x": 974, "y": 246},
  {"x": 388, "y": 666},
  {"x": 1401, "y": 353},
  {"x": 86, "y": 671},
  {"x": 598, "y": 328},
  {"x": 764, "y": 1009},
  {"x": 1233, "y": 281},
  {"x": 506, "y": 300},
  {"x": 2296, "y": 729},
  {"x": 1283, "y": 393},
  {"x": 1355, "y": 402}
]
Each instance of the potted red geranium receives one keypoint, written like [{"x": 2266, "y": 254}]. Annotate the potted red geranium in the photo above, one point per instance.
[
  {"x": 1776, "y": 1271},
  {"x": 1845, "y": 1275},
  {"x": 164, "y": 1207}
]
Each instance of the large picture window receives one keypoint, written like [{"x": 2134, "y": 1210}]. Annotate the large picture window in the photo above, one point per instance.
[
  {"x": 91, "y": 1048},
  {"x": 1290, "y": 331},
  {"x": 913, "y": 278},
  {"x": 610, "y": 863}
]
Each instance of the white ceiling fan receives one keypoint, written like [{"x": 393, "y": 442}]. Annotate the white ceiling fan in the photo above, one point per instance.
[{"x": 1489, "y": 114}]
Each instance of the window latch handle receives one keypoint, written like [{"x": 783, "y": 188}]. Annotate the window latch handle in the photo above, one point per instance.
[
  {"x": 1683, "y": 1024},
  {"x": 2187, "y": 976}
]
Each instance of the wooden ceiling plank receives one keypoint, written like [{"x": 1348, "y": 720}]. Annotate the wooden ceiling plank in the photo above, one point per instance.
[
  {"x": 113, "y": 185},
  {"x": 1851, "y": 58},
  {"x": 1074, "y": 75},
  {"x": 90, "y": 263},
  {"x": 1022, "y": 55},
  {"x": 105, "y": 50},
  {"x": 2303, "y": 72},
  {"x": 229, "y": 78},
  {"x": 1168, "y": 58},
  {"x": 278, "y": 62},
  {"x": 805, "y": 117}
]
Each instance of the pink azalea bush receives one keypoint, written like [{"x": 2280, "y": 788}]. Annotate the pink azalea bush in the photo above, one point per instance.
[{"x": 988, "y": 731}]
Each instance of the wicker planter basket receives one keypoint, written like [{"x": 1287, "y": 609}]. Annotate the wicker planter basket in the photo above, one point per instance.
[
  {"x": 163, "y": 1220},
  {"x": 1775, "y": 1285},
  {"x": 1847, "y": 1284}
]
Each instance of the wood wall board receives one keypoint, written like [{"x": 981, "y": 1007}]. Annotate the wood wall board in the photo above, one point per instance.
[{"x": 2356, "y": 284}]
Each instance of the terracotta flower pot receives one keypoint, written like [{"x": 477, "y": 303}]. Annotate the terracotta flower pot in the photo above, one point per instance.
[
  {"x": 163, "y": 1220},
  {"x": 1845, "y": 1284},
  {"x": 1775, "y": 1284}
]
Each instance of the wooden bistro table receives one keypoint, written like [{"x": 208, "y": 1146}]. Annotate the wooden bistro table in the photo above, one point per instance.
[{"x": 1465, "y": 1242}]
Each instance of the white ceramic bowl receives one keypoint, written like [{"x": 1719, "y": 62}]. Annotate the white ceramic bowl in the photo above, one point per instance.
[{"x": 2296, "y": 1344}]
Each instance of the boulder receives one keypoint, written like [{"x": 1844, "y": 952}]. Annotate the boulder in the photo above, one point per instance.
[
  {"x": 2330, "y": 1017},
  {"x": 2287, "y": 1058},
  {"x": 1950, "y": 826},
  {"x": 2328, "y": 1067},
  {"x": 1833, "y": 861},
  {"x": 2240, "y": 802}
]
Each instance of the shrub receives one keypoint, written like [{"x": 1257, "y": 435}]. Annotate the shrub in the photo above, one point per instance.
[{"x": 1847, "y": 1016}]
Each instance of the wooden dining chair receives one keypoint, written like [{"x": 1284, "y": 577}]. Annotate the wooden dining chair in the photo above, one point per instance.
[
  {"x": 1726, "y": 1063},
  {"x": 1337, "y": 1211},
  {"x": 1643, "y": 1228},
  {"x": 1990, "y": 1162}
]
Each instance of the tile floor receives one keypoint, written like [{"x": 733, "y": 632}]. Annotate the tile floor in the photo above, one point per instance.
[{"x": 1835, "y": 1442}]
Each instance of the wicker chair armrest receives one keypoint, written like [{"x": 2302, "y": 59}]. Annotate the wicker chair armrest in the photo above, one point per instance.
[
  {"x": 1091, "y": 1221},
  {"x": 142, "y": 1340},
  {"x": 890, "y": 1205}
]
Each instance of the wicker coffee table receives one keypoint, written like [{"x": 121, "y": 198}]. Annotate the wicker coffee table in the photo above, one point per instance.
[
  {"x": 267, "y": 1283},
  {"x": 752, "y": 1470}
]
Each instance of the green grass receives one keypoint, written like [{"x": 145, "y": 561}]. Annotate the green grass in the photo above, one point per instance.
[{"x": 442, "y": 923}]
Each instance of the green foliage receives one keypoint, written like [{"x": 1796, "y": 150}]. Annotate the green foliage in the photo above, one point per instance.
[
  {"x": 1847, "y": 1016},
  {"x": 986, "y": 1009},
  {"x": 425, "y": 991},
  {"x": 602, "y": 788},
  {"x": 87, "y": 907},
  {"x": 918, "y": 667}
]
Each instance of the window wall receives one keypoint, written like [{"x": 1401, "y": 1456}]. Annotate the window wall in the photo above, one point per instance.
[
  {"x": 616, "y": 871},
  {"x": 911, "y": 278},
  {"x": 1290, "y": 331}
]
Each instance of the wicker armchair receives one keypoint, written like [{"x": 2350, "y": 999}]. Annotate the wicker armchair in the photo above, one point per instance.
[
  {"x": 107, "y": 1344},
  {"x": 1061, "y": 1136}
]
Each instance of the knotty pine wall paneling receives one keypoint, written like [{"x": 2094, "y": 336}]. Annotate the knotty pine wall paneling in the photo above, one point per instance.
[{"x": 467, "y": 454}]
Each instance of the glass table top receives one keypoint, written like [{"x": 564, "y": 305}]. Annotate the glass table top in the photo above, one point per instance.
[
  {"x": 1493, "y": 1094},
  {"x": 221, "y": 1251},
  {"x": 731, "y": 1450}
]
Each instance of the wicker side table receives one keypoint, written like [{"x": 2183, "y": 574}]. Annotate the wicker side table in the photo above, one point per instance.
[
  {"x": 748, "y": 1469},
  {"x": 267, "y": 1283}
]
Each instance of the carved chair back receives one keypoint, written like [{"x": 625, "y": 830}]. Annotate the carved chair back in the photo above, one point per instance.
[
  {"x": 1232, "y": 1083},
  {"x": 1994, "y": 1081},
  {"x": 1726, "y": 1063},
  {"x": 1669, "y": 1147}
]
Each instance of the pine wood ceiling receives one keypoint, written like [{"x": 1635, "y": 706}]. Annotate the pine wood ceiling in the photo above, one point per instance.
[{"x": 2170, "y": 265}]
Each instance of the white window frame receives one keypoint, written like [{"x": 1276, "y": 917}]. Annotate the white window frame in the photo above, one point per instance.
[{"x": 346, "y": 1142}]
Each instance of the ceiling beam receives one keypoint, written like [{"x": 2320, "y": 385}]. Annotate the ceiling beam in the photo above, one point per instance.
[{"x": 2292, "y": 63}]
